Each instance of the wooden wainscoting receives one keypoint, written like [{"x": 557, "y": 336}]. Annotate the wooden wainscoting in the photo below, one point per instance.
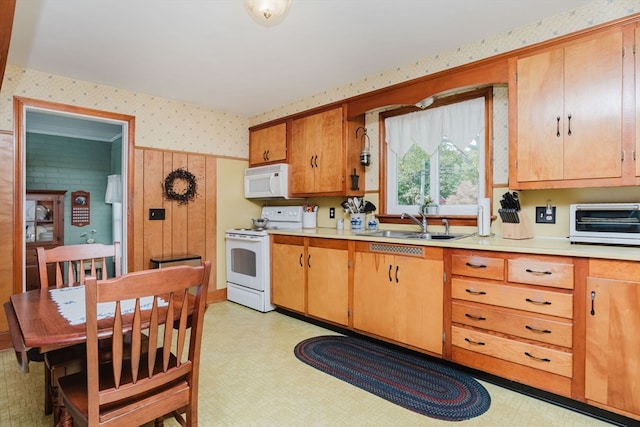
[
  {"x": 187, "y": 228},
  {"x": 7, "y": 221}
]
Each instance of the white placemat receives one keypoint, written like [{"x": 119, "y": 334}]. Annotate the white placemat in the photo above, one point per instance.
[{"x": 71, "y": 305}]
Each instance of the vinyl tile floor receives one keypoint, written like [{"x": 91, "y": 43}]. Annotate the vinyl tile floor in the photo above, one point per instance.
[{"x": 249, "y": 376}]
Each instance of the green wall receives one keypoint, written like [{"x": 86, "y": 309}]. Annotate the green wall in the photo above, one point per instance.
[{"x": 61, "y": 163}]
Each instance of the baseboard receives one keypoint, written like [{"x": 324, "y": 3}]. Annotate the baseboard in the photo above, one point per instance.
[{"x": 5, "y": 341}]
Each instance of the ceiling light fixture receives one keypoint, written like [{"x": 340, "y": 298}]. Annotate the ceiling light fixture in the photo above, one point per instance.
[{"x": 268, "y": 12}]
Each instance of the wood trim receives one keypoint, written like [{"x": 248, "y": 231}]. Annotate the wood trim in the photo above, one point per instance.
[
  {"x": 480, "y": 73},
  {"x": 19, "y": 106},
  {"x": 7, "y": 10},
  {"x": 581, "y": 269},
  {"x": 5, "y": 341},
  {"x": 217, "y": 295}
]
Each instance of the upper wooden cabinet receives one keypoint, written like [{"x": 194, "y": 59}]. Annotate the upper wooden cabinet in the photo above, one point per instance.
[
  {"x": 568, "y": 123},
  {"x": 268, "y": 145},
  {"x": 637, "y": 93},
  {"x": 324, "y": 152}
]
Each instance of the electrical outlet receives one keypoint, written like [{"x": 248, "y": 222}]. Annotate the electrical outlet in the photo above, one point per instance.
[
  {"x": 332, "y": 213},
  {"x": 545, "y": 214}
]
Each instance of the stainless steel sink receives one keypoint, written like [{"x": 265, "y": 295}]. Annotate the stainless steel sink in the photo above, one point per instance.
[
  {"x": 395, "y": 234},
  {"x": 387, "y": 233}
]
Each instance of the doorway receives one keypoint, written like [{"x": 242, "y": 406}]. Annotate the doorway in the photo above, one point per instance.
[{"x": 62, "y": 122}]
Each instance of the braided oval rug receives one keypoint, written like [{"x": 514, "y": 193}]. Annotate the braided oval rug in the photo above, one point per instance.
[{"x": 412, "y": 382}]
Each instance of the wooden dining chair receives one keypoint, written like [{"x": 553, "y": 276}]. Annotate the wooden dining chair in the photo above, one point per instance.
[
  {"x": 146, "y": 386},
  {"x": 69, "y": 265}
]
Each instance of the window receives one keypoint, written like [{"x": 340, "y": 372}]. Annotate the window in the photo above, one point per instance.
[{"x": 438, "y": 155}]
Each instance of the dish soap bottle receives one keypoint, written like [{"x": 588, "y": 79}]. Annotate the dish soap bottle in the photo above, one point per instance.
[{"x": 372, "y": 223}]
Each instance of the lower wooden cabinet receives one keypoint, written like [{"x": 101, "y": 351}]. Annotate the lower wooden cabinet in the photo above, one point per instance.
[
  {"x": 516, "y": 322},
  {"x": 328, "y": 280},
  {"x": 398, "y": 294},
  {"x": 311, "y": 276},
  {"x": 288, "y": 273},
  {"x": 612, "y": 365}
]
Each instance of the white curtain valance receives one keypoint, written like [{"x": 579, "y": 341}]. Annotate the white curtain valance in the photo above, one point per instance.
[{"x": 460, "y": 123}]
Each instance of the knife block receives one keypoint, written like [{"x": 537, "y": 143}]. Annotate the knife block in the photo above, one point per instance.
[{"x": 518, "y": 231}]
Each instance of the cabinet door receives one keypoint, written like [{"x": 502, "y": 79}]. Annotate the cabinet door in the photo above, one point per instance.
[
  {"x": 593, "y": 108},
  {"x": 613, "y": 343},
  {"x": 373, "y": 293},
  {"x": 540, "y": 109},
  {"x": 329, "y": 148},
  {"x": 570, "y": 111},
  {"x": 637, "y": 115},
  {"x": 287, "y": 276},
  {"x": 316, "y": 156},
  {"x": 301, "y": 166},
  {"x": 418, "y": 303},
  {"x": 268, "y": 145},
  {"x": 327, "y": 283}
]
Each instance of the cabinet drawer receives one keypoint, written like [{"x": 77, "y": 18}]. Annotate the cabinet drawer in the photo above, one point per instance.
[
  {"x": 519, "y": 324},
  {"x": 521, "y": 298},
  {"x": 546, "y": 359},
  {"x": 477, "y": 266},
  {"x": 544, "y": 273}
]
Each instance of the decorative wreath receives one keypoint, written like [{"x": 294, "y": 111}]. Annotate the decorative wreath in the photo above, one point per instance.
[{"x": 189, "y": 192}]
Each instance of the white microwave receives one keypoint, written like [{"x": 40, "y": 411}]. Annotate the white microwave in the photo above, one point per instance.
[
  {"x": 605, "y": 223},
  {"x": 267, "y": 182}
]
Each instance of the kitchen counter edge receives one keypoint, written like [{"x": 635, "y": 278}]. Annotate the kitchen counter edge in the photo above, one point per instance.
[{"x": 535, "y": 245}]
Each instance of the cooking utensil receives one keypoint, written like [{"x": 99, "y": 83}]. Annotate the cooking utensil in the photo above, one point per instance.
[
  {"x": 509, "y": 215},
  {"x": 260, "y": 223},
  {"x": 352, "y": 207},
  {"x": 516, "y": 199},
  {"x": 369, "y": 207},
  {"x": 356, "y": 203}
]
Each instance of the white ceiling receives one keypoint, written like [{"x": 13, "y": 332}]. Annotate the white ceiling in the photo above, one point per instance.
[{"x": 211, "y": 53}]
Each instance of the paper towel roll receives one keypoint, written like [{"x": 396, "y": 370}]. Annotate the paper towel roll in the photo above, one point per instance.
[{"x": 484, "y": 216}]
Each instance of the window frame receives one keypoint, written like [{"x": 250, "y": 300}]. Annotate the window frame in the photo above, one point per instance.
[{"x": 466, "y": 220}]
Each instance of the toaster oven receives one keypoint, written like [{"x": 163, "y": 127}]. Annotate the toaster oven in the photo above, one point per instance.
[{"x": 608, "y": 223}]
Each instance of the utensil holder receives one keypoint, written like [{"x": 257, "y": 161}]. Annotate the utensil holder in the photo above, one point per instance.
[
  {"x": 517, "y": 231},
  {"x": 357, "y": 221},
  {"x": 309, "y": 219}
]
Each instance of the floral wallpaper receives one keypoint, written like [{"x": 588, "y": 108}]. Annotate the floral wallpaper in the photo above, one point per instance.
[
  {"x": 160, "y": 123},
  {"x": 166, "y": 124}
]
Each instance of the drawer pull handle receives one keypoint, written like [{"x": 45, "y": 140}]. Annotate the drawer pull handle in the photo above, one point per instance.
[
  {"x": 540, "y": 359},
  {"x": 540, "y": 331},
  {"x": 470, "y": 341},
  {"x": 476, "y": 265},
  {"x": 538, "y": 302},
  {"x": 528, "y": 270},
  {"x": 475, "y": 292},
  {"x": 472, "y": 317}
]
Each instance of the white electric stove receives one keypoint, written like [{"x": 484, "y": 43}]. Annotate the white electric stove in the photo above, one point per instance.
[{"x": 248, "y": 257}]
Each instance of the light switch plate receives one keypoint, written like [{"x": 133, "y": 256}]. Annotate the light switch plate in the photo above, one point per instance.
[{"x": 156, "y": 214}]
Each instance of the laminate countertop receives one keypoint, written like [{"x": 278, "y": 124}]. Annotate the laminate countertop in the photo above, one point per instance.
[{"x": 535, "y": 245}]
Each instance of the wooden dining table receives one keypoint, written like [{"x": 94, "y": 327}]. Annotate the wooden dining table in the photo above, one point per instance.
[{"x": 35, "y": 323}]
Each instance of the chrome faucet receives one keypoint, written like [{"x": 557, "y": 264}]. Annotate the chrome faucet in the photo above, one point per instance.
[
  {"x": 445, "y": 221},
  {"x": 422, "y": 225}
]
